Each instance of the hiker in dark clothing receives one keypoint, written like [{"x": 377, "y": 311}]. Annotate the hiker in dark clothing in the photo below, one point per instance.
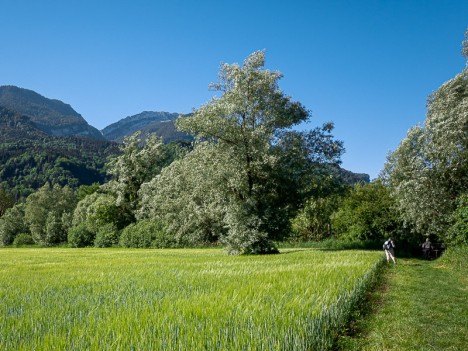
[{"x": 427, "y": 247}]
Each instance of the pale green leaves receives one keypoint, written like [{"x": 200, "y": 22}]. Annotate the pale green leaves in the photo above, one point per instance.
[{"x": 429, "y": 169}]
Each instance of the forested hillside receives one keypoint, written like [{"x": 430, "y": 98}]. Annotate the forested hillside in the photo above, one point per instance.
[{"x": 29, "y": 157}]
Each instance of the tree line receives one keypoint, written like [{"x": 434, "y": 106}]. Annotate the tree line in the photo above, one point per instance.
[{"x": 250, "y": 180}]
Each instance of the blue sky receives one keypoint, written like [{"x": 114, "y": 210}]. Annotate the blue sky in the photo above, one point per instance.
[{"x": 368, "y": 66}]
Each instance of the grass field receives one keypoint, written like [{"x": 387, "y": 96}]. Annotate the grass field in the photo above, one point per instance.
[
  {"x": 116, "y": 299},
  {"x": 422, "y": 306}
]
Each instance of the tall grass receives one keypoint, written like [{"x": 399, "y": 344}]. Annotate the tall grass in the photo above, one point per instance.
[
  {"x": 423, "y": 305},
  {"x": 96, "y": 299}
]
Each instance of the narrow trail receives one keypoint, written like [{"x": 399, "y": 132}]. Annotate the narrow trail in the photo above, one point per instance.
[{"x": 421, "y": 305}]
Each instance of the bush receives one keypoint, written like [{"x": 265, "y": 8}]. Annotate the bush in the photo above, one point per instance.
[
  {"x": 12, "y": 224},
  {"x": 458, "y": 232},
  {"x": 107, "y": 236},
  {"x": 23, "y": 239},
  {"x": 146, "y": 233},
  {"x": 455, "y": 257},
  {"x": 80, "y": 236},
  {"x": 368, "y": 213}
]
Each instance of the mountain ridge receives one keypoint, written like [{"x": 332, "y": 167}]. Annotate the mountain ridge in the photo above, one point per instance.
[
  {"x": 52, "y": 116},
  {"x": 157, "y": 122}
]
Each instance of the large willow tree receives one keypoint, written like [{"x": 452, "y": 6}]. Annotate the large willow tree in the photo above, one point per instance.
[
  {"x": 245, "y": 177},
  {"x": 428, "y": 172}
]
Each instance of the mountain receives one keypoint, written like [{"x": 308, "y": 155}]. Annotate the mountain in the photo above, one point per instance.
[
  {"x": 15, "y": 127},
  {"x": 159, "y": 123},
  {"x": 50, "y": 116},
  {"x": 29, "y": 157},
  {"x": 349, "y": 177}
]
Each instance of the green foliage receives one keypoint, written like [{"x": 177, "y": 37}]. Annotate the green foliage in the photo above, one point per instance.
[
  {"x": 96, "y": 210},
  {"x": 257, "y": 159},
  {"x": 367, "y": 213},
  {"x": 135, "y": 165},
  {"x": 455, "y": 258},
  {"x": 23, "y": 239},
  {"x": 7, "y": 200},
  {"x": 11, "y": 224},
  {"x": 29, "y": 157},
  {"x": 47, "y": 214},
  {"x": 429, "y": 169},
  {"x": 327, "y": 185},
  {"x": 107, "y": 236},
  {"x": 81, "y": 236},
  {"x": 85, "y": 190},
  {"x": 245, "y": 233},
  {"x": 146, "y": 233},
  {"x": 27, "y": 164},
  {"x": 313, "y": 222},
  {"x": 185, "y": 197},
  {"x": 465, "y": 45},
  {"x": 458, "y": 232}
]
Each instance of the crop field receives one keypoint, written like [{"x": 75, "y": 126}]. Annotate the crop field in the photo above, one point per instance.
[{"x": 194, "y": 299}]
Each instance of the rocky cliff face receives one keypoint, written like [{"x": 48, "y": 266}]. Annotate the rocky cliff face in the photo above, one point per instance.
[
  {"x": 51, "y": 116},
  {"x": 159, "y": 123}
]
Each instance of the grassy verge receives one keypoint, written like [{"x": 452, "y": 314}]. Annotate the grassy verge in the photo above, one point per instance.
[
  {"x": 422, "y": 305},
  {"x": 197, "y": 299}
]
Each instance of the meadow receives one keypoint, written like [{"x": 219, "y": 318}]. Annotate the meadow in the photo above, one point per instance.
[
  {"x": 195, "y": 299},
  {"x": 420, "y": 306}
]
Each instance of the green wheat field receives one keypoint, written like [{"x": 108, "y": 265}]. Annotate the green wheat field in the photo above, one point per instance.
[{"x": 194, "y": 299}]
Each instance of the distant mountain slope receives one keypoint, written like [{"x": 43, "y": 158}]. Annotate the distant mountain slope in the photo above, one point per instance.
[
  {"x": 349, "y": 177},
  {"x": 159, "y": 123},
  {"x": 15, "y": 127},
  {"x": 29, "y": 157},
  {"x": 51, "y": 116}
]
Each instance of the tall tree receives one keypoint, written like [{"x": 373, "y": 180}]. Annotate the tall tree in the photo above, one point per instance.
[
  {"x": 11, "y": 224},
  {"x": 429, "y": 169},
  {"x": 249, "y": 127},
  {"x": 48, "y": 213},
  {"x": 139, "y": 161}
]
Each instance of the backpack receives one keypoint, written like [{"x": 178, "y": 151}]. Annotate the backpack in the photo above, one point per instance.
[{"x": 387, "y": 245}]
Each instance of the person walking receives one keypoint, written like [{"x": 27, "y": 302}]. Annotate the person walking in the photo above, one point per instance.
[
  {"x": 389, "y": 246},
  {"x": 427, "y": 247}
]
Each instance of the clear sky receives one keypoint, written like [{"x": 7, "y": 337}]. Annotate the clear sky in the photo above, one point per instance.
[{"x": 366, "y": 65}]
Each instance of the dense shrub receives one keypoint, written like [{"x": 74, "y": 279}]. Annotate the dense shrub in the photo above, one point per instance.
[
  {"x": 23, "y": 239},
  {"x": 458, "y": 232},
  {"x": 146, "y": 233},
  {"x": 12, "y": 224},
  {"x": 107, "y": 236},
  {"x": 368, "y": 213},
  {"x": 47, "y": 214},
  {"x": 96, "y": 210},
  {"x": 81, "y": 236}
]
